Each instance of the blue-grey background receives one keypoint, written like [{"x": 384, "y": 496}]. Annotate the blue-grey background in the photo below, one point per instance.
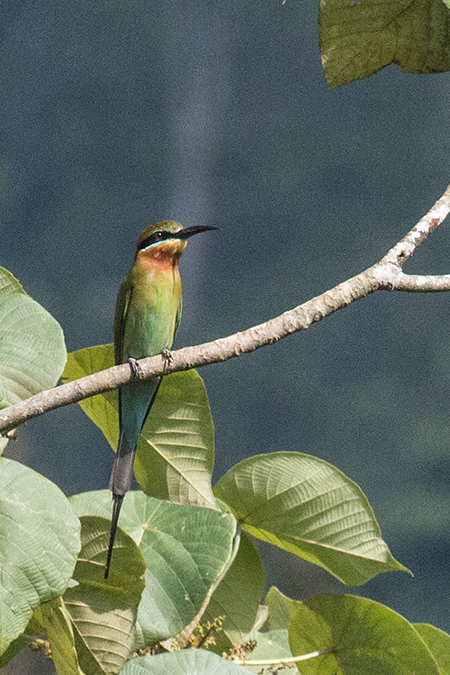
[{"x": 115, "y": 115}]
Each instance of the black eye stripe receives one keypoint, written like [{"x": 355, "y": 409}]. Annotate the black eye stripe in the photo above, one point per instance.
[{"x": 159, "y": 235}]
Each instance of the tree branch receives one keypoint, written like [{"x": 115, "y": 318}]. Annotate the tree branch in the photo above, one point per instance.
[{"x": 387, "y": 274}]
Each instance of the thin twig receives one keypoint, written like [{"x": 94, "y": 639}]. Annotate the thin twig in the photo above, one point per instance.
[{"x": 282, "y": 662}]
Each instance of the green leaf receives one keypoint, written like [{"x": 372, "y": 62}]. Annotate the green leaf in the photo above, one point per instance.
[
  {"x": 185, "y": 548},
  {"x": 175, "y": 453},
  {"x": 9, "y": 285},
  {"x": 358, "y": 38},
  {"x": 32, "y": 348},
  {"x": 185, "y": 662},
  {"x": 438, "y": 643},
  {"x": 237, "y": 597},
  {"x": 103, "y": 612},
  {"x": 308, "y": 507},
  {"x": 56, "y": 625},
  {"x": 365, "y": 637},
  {"x": 281, "y": 609},
  {"x": 175, "y": 458},
  {"x": 38, "y": 547},
  {"x": 101, "y": 409}
]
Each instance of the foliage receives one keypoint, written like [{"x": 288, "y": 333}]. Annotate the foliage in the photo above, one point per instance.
[
  {"x": 359, "y": 38},
  {"x": 39, "y": 545},
  {"x": 32, "y": 343},
  {"x": 185, "y": 583},
  {"x": 183, "y": 576},
  {"x": 308, "y": 507}
]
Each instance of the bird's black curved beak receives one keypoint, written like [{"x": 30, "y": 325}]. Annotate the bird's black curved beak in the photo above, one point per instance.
[{"x": 190, "y": 231}]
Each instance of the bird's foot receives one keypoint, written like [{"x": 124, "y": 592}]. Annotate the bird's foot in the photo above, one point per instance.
[
  {"x": 167, "y": 357},
  {"x": 136, "y": 368}
]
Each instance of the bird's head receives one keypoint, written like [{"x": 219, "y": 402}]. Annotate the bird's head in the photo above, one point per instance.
[{"x": 166, "y": 240}]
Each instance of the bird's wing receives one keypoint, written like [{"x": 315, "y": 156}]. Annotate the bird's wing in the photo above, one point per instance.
[
  {"x": 178, "y": 316},
  {"x": 136, "y": 399},
  {"x": 120, "y": 318}
]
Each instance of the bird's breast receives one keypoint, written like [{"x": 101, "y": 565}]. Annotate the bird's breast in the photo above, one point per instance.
[{"x": 152, "y": 314}]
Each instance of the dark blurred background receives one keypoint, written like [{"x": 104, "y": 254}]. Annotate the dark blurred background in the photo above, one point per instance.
[{"x": 116, "y": 115}]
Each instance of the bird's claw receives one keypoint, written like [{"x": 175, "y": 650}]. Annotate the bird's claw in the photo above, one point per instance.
[
  {"x": 167, "y": 357},
  {"x": 136, "y": 368}
]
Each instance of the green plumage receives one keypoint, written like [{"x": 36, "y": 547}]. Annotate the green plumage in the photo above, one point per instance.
[{"x": 148, "y": 311}]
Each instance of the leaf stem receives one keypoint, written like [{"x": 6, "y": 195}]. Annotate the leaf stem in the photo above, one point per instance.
[{"x": 282, "y": 662}]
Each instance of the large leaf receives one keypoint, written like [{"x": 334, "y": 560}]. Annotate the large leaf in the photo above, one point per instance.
[
  {"x": 101, "y": 409},
  {"x": 175, "y": 454},
  {"x": 185, "y": 662},
  {"x": 54, "y": 622},
  {"x": 438, "y": 643},
  {"x": 281, "y": 609},
  {"x": 365, "y": 637},
  {"x": 38, "y": 545},
  {"x": 186, "y": 550},
  {"x": 237, "y": 597},
  {"x": 9, "y": 285},
  {"x": 103, "y": 613},
  {"x": 308, "y": 507},
  {"x": 358, "y": 38},
  {"x": 32, "y": 348}
]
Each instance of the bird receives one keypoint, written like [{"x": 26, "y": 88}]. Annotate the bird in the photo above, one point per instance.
[{"x": 148, "y": 312}]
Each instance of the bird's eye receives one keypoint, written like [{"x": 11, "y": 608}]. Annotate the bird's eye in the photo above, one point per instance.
[{"x": 158, "y": 234}]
